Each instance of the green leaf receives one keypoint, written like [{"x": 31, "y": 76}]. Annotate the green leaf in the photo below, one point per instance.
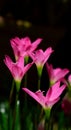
[{"x": 3, "y": 117}]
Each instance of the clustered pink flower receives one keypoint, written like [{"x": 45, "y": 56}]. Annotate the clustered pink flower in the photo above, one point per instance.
[
  {"x": 17, "y": 69},
  {"x": 56, "y": 74},
  {"x": 52, "y": 95},
  {"x": 41, "y": 56},
  {"x": 23, "y": 46}
]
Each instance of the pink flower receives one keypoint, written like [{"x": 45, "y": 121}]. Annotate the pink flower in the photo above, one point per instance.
[
  {"x": 41, "y": 57},
  {"x": 17, "y": 69},
  {"x": 52, "y": 95},
  {"x": 66, "y": 104},
  {"x": 22, "y": 46},
  {"x": 56, "y": 74}
]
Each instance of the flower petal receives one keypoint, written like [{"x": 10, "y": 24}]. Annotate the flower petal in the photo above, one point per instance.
[
  {"x": 55, "y": 91},
  {"x": 33, "y": 95},
  {"x": 51, "y": 103},
  {"x": 8, "y": 62}
]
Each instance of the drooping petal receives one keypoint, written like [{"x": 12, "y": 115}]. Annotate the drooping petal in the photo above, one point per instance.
[{"x": 33, "y": 95}]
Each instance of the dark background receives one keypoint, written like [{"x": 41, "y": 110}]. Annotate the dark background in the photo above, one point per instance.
[
  {"x": 47, "y": 12},
  {"x": 48, "y": 19}
]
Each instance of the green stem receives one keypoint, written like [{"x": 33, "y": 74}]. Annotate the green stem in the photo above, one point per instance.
[
  {"x": 39, "y": 71},
  {"x": 25, "y": 80},
  {"x": 39, "y": 82},
  {"x": 25, "y": 85},
  {"x": 10, "y": 103},
  {"x": 9, "y": 118},
  {"x": 47, "y": 124},
  {"x": 11, "y": 92},
  {"x": 47, "y": 119},
  {"x": 14, "y": 113},
  {"x": 18, "y": 83}
]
